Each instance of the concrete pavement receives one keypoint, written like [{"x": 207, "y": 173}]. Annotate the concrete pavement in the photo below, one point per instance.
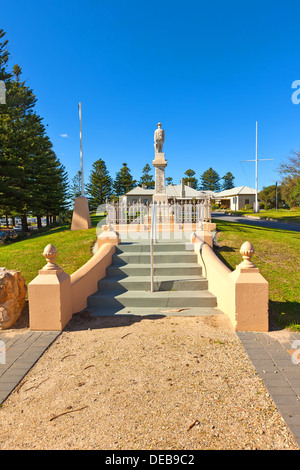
[{"x": 286, "y": 226}]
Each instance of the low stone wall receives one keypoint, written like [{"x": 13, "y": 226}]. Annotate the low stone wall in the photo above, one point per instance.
[
  {"x": 84, "y": 281},
  {"x": 242, "y": 294}
]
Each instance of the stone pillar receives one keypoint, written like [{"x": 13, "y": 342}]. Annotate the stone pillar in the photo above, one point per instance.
[
  {"x": 49, "y": 294},
  {"x": 182, "y": 188},
  {"x": 251, "y": 294},
  {"x": 160, "y": 164},
  {"x": 108, "y": 236}
]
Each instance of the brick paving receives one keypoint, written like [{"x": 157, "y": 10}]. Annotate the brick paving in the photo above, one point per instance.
[
  {"x": 18, "y": 355},
  {"x": 272, "y": 355}
]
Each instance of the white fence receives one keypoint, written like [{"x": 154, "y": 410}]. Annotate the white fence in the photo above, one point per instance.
[{"x": 122, "y": 213}]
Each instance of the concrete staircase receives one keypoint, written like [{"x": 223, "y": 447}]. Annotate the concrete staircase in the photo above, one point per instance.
[{"x": 180, "y": 288}]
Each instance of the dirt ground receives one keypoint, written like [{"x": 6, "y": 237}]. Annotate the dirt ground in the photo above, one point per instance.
[{"x": 132, "y": 383}]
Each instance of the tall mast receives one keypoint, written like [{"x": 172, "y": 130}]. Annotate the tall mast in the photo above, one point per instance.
[
  {"x": 256, "y": 209},
  {"x": 256, "y": 185},
  {"x": 81, "y": 152}
]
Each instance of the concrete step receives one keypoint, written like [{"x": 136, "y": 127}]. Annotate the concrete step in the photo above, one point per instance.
[
  {"x": 158, "y": 247},
  {"x": 126, "y": 270},
  {"x": 159, "y": 258},
  {"x": 143, "y": 283},
  {"x": 170, "y": 299},
  {"x": 180, "y": 288},
  {"x": 153, "y": 312}
]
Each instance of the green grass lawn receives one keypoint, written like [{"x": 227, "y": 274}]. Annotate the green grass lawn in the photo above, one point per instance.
[
  {"x": 73, "y": 250},
  {"x": 277, "y": 255}
]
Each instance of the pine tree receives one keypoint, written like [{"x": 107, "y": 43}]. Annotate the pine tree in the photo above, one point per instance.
[
  {"x": 6, "y": 194},
  {"x": 100, "y": 184},
  {"x": 190, "y": 178},
  {"x": 124, "y": 181},
  {"x": 147, "y": 179},
  {"x": 228, "y": 181},
  {"x": 57, "y": 196},
  {"x": 5, "y": 75},
  {"x": 17, "y": 154},
  {"x": 32, "y": 180},
  {"x": 210, "y": 180},
  {"x": 75, "y": 187},
  {"x": 169, "y": 180}
]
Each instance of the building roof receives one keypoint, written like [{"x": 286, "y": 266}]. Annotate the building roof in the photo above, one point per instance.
[
  {"x": 138, "y": 191},
  {"x": 240, "y": 190},
  {"x": 172, "y": 190}
]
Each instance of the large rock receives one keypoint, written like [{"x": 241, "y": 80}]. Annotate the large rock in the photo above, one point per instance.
[{"x": 12, "y": 297}]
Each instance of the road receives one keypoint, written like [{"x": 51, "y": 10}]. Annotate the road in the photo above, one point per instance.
[{"x": 258, "y": 223}]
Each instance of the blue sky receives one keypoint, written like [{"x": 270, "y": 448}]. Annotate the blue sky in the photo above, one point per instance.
[{"x": 207, "y": 70}]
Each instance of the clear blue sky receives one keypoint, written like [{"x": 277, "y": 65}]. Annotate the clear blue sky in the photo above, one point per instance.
[{"x": 207, "y": 70}]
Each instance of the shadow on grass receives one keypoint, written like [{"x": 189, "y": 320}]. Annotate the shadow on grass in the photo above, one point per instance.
[
  {"x": 241, "y": 226},
  {"x": 227, "y": 249},
  {"x": 284, "y": 315},
  {"x": 53, "y": 231}
]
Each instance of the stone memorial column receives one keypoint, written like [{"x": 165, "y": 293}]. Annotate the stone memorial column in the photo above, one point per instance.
[{"x": 159, "y": 164}]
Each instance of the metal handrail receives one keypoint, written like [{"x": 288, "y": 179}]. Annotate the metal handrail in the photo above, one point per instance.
[{"x": 152, "y": 241}]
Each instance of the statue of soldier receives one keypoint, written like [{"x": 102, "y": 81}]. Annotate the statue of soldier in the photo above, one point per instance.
[{"x": 159, "y": 138}]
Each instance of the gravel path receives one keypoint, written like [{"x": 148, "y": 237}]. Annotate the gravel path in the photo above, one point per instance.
[{"x": 182, "y": 383}]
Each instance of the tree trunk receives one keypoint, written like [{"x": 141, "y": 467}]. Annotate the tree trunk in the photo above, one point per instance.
[
  {"x": 24, "y": 223},
  {"x": 39, "y": 221}
]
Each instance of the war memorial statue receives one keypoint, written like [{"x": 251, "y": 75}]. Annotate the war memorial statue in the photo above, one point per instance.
[
  {"x": 159, "y": 138},
  {"x": 160, "y": 164}
]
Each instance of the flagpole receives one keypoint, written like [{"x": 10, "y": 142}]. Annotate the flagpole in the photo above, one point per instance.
[
  {"x": 81, "y": 152},
  {"x": 255, "y": 208},
  {"x": 256, "y": 171}
]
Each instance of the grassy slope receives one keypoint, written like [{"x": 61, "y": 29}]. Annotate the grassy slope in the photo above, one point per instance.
[
  {"x": 74, "y": 249},
  {"x": 277, "y": 256}
]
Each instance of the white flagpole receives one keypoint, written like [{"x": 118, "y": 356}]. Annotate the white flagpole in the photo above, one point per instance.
[
  {"x": 256, "y": 209},
  {"x": 81, "y": 152},
  {"x": 256, "y": 185}
]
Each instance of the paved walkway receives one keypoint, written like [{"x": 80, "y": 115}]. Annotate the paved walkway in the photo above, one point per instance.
[
  {"x": 271, "y": 353},
  {"x": 18, "y": 355}
]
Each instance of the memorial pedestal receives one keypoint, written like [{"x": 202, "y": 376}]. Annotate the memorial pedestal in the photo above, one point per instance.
[{"x": 160, "y": 164}]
